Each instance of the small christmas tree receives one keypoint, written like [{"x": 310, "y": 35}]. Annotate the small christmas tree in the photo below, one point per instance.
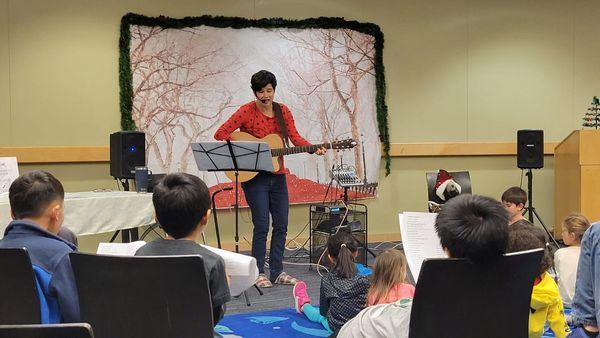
[{"x": 592, "y": 117}]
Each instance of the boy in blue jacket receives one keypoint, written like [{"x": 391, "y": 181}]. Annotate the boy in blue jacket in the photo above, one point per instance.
[{"x": 37, "y": 208}]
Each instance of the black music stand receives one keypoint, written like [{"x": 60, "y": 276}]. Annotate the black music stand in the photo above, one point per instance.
[{"x": 234, "y": 156}]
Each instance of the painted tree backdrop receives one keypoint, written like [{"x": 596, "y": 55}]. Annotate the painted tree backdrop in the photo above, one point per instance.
[{"x": 186, "y": 81}]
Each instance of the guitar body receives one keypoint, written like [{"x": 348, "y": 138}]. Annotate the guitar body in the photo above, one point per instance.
[
  {"x": 278, "y": 149},
  {"x": 273, "y": 140}
]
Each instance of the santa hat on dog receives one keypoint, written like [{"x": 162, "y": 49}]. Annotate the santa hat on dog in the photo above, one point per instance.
[{"x": 445, "y": 183}]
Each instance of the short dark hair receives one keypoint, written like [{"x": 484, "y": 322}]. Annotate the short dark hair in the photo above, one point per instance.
[
  {"x": 262, "y": 78},
  {"x": 342, "y": 247},
  {"x": 473, "y": 227},
  {"x": 181, "y": 201},
  {"x": 515, "y": 195},
  {"x": 31, "y": 193},
  {"x": 529, "y": 238}
]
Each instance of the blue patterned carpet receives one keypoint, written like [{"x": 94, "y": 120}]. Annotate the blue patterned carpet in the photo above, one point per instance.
[
  {"x": 280, "y": 323},
  {"x": 276, "y": 323}
]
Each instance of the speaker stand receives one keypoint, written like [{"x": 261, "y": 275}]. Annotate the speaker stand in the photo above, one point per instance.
[
  {"x": 127, "y": 235},
  {"x": 531, "y": 210}
]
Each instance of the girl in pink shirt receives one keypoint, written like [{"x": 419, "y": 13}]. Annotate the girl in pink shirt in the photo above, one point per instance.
[{"x": 388, "y": 283}]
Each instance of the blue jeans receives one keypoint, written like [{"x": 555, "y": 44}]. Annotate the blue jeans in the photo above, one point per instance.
[
  {"x": 267, "y": 193},
  {"x": 587, "y": 288},
  {"x": 578, "y": 333}
]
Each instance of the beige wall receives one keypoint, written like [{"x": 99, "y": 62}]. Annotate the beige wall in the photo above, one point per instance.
[
  {"x": 456, "y": 71},
  {"x": 5, "y": 117}
]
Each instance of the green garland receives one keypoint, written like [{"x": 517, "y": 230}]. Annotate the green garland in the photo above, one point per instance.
[{"x": 126, "y": 78}]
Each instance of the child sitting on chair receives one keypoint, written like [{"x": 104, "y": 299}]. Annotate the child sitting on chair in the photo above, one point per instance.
[
  {"x": 343, "y": 291},
  {"x": 37, "y": 208},
  {"x": 546, "y": 304},
  {"x": 566, "y": 259},
  {"x": 388, "y": 283},
  {"x": 182, "y": 205}
]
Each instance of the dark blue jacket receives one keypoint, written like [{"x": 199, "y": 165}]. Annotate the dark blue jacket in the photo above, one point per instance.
[{"x": 49, "y": 256}]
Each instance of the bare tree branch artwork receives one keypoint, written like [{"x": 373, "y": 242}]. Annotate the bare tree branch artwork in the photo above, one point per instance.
[{"x": 187, "y": 82}]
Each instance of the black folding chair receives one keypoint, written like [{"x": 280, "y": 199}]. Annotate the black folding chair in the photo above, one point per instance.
[
  {"x": 144, "y": 297},
  {"x": 78, "y": 330},
  {"x": 455, "y": 298},
  {"x": 19, "y": 301}
]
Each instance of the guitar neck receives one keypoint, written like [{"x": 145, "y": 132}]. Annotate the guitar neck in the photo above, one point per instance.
[{"x": 301, "y": 149}]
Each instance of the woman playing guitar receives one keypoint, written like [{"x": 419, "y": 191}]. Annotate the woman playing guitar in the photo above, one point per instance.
[{"x": 267, "y": 192}]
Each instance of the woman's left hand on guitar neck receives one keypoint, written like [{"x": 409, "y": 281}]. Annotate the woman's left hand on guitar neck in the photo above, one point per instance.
[{"x": 321, "y": 151}]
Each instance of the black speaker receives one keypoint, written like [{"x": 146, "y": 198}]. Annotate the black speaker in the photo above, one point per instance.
[
  {"x": 127, "y": 151},
  {"x": 530, "y": 149}
]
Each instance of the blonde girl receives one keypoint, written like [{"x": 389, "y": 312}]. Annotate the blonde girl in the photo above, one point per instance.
[
  {"x": 567, "y": 259},
  {"x": 388, "y": 283}
]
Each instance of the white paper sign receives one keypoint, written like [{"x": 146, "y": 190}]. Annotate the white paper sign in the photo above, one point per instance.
[
  {"x": 119, "y": 249},
  {"x": 419, "y": 239},
  {"x": 240, "y": 268},
  {"x": 9, "y": 171}
]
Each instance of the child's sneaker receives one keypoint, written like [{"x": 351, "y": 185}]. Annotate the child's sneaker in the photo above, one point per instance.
[{"x": 300, "y": 296}]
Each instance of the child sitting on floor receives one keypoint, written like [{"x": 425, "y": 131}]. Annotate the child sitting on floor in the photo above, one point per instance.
[
  {"x": 546, "y": 304},
  {"x": 343, "y": 291},
  {"x": 566, "y": 259},
  {"x": 514, "y": 200},
  {"x": 388, "y": 283}
]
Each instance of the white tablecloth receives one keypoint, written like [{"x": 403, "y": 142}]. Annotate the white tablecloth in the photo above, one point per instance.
[{"x": 96, "y": 212}]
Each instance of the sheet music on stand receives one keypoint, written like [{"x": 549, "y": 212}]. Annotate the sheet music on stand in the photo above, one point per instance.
[{"x": 247, "y": 156}]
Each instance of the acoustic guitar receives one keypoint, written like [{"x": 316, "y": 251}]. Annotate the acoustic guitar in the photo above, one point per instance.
[{"x": 276, "y": 145}]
